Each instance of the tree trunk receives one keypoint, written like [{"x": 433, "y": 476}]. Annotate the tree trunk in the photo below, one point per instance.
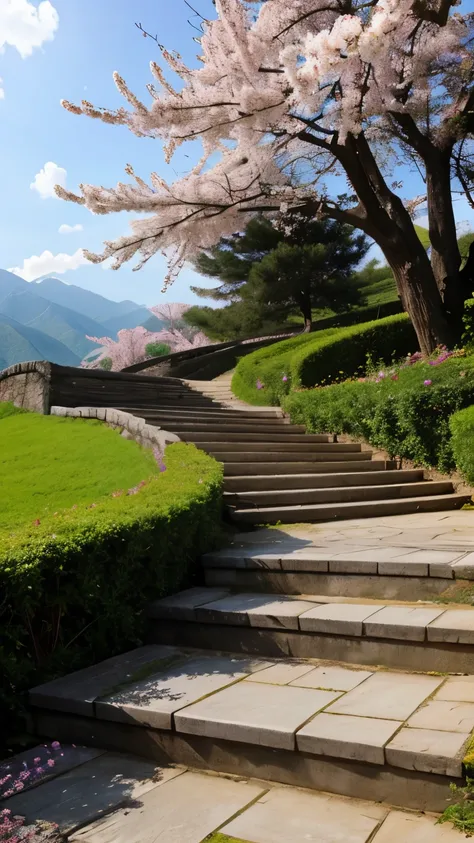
[{"x": 306, "y": 310}]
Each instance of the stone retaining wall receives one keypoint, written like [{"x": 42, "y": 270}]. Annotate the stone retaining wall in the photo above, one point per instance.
[
  {"x": 132, "y": 427},
  {"x": 27, "y": 385}
]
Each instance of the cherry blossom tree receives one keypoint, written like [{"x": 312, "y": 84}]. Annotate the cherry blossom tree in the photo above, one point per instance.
[
  {"x": 131, "y": 343},
  {"x": 291, "y": 94}
]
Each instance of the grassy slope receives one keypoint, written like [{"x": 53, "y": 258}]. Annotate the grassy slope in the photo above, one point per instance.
[{"x": 48, "y": 464}]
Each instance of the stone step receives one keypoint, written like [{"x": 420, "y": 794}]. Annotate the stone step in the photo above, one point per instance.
[
  {"x": 212, "y": 412},
  {"x": 280, "y": 468},
  {"x": 405, "y": 637},
  {"x": 335, "y": 494},
  {"x": 393, "y": 737},
  {"x": 284, "y": 447},
  {"x": 224, "y": 419},
  {"x": 316, "y": 481},
  {"x": 244, "y": 426},
  {"x": 386, "y": 573},
  {"x": 362, "y": 509},
  {"x": 315, "y": 454},
  {"x": 244, "y": 438},
  {"x": 93, "y": 801}
]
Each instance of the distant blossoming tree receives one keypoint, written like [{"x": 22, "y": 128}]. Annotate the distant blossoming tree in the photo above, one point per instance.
[
  {"x": 131, "y": 346},
  {"x": 291, "y": 94}
]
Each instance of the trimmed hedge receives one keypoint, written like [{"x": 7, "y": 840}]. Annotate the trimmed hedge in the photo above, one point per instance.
[
  {"x": 74, "y": 587},
  {"x": 268, "y": 375},
  {"x": 408, "y": 417},
  {"x": 462, "y": 432}
]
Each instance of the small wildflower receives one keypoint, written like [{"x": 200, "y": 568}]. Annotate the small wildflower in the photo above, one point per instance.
[
  {"x": 284, "y": 378},
  {"x": 55, "y": 745},
  {"x": 37, "y": 760},
  {"x": 394, "y": 378},
  {"x": 19, "y": 785},
  {"x": 118, "y": 493},
  {"x": 51, "y": 763},
  {"x": 259, "y": 384},
  {"x": 36, "y": 523},
  {"x": 427, "y": 383},
  {"x": 8, "y": 793}
]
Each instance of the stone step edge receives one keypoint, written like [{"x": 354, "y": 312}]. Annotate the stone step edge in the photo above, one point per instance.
[
  {"x": 367, "y": 507},
  {"x": 311, "y": 614},
  {"x": 321, "y": 561},
  {"x": 374, "y": 748}
]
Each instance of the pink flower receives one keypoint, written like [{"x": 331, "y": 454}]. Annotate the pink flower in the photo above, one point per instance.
[
  {"x": 259, "y": 384},
  {"x": 427, "y": 383},
  {"x": 55, "y": 745},
  {"x": 394, "y": 378},
  {"x": 51, "y": 763},
  {"x": 284, "y": 378},
  {"x": 19, "y": 785},
  {"x": 8, "y": 793},
  {"x": 37, "y": 760},
  {"x": 36, "y": 523}
]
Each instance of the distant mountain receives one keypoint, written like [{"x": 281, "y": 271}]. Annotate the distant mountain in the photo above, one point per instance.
[
  {"x": 84, "y": 301},
  {"x": 19, "y": 343},
  {"x": 10, "y": 283},
  {"x": 136, "y": 317},
  {"x": 153, "y": 323},
  {"x": 61, "y": 323}
]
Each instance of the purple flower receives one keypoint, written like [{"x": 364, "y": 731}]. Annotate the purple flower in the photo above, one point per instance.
[
  {"x": 284, "y": 378},
  {"x": 381, "y": 375},
  {"x": 427, "y": 383},
  {"x": 259, "y": 384}
]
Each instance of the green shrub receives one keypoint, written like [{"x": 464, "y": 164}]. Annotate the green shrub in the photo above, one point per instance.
[
  {"x": 468, "y": 319},
  {"x": 269, "y": 374},
  {"x": 74, "y": 586},
  {"x": 462, "y": 432},
  {"x": 404, "y": 416}
]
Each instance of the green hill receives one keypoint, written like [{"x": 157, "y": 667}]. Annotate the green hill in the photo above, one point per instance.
[
  {"x": 19, "y": 343},
  {"x": 67, "y": 326}
]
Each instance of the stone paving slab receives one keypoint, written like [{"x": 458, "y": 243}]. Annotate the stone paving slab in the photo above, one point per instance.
[
  {"x": 332, "y": 678},
  {"x": 345, "y": 736},
  {"x": 457, "y": 688},
  {"x": 453, "y": 627},
  {"x": 153, "y": 701},
  {"x": 444, "y": 715},
  {"x": 403, "y": 622},
  {"x": 464, "y": 568},
  {"x": 337, "y": 618},
  {"x": 90, "y": 790},
  {"x": 185, "y": 810},
  {"x": 255, "y": 610},
  {"x": 388, "y": 696},
  {"x": 76, "y": 692},
  {"x": 268, "y": 715},
  {"x": 429, "y": 751},
  {"x": 284, "y": 815},
  {"x": 181, "y": 606},
  {"x": 282, "y": 673},
  {"x": 65, "y": 758},
  {"x": 410, "y": 828}
]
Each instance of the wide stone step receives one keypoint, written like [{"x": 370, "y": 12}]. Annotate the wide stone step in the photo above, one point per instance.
[
  {"x": 91, "y": 801},
  {"x": 315, "y": 481},
  {"x": 243, "y": 438},
  {"x": 216, "y": 417},
  {"x": 284, "y": 447},
  {"x": 424, "y": 637},
  {"x": 363, "y": 509},
  {"x": 244, "y": 426},
  {"x": 239, "y": 469},
  {"x": 314, "y": 453},
  {"x": 387, "y": 573},
  {"x": 393, "y": 737},
  {"x": 212, "y": 412},
  {"x": 293, "y": 497}
]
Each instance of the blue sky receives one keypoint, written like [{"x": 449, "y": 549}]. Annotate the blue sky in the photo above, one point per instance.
[{"x": 93, "y": 38}]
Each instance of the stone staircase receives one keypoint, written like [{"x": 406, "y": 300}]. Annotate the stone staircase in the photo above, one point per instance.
[{"x": 273, "y": 470}]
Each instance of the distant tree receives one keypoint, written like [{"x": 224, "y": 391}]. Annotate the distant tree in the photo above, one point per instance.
[
  {"x": 157, "y": 349},
  {"x": 270, "y": 272},
  {"x": 131, "y": 344},
  {"x": 106, "y": 363}
]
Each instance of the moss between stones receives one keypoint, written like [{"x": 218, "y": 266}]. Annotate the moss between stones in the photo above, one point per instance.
[
  {"x": 223, "y": 838},
  {"x": 468, "y": 760}
]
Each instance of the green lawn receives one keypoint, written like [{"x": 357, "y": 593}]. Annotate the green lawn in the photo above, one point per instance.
[{"x": 48, "y": 464}]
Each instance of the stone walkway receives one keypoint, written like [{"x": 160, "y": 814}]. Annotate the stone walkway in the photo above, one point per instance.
[{"x": 105, "y": 797}]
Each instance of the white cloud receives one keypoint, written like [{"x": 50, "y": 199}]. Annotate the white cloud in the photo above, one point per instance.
[
  {"x": 69, "y": 229},
  {"x": 49, "y": 264},
  {"x": 26, "y": 26},
  {"x": 45, "y": 180}
]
